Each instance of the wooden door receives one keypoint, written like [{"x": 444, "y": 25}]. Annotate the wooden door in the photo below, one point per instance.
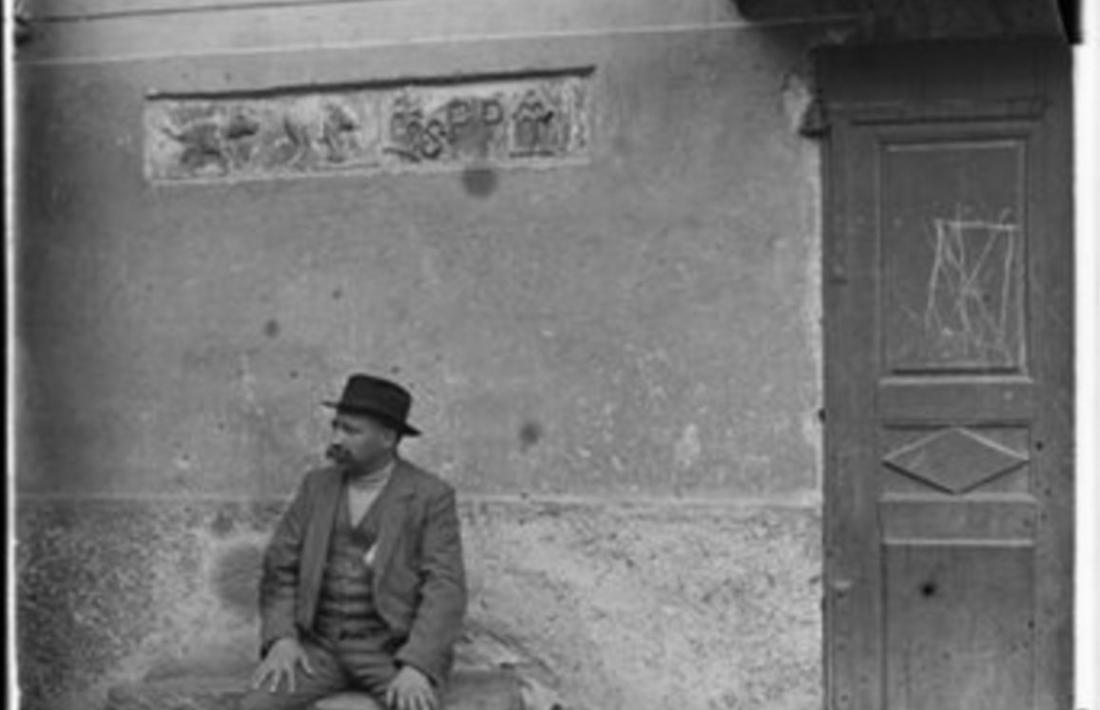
[{"x": 947, "y": 269}]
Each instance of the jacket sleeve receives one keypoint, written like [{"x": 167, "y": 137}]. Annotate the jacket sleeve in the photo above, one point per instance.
[
  {"x": 437, "y": 621},
  {"x": 279, "y": 580}
]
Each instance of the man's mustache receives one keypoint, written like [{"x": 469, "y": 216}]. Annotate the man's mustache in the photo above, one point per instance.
[{"x": 338, "y": 453}]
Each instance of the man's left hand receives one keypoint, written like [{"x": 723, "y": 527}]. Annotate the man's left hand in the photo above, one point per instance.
[{"x": 411, "y": 690}]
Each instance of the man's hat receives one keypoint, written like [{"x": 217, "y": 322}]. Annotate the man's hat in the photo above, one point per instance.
[{"x": 376, "y": 397}]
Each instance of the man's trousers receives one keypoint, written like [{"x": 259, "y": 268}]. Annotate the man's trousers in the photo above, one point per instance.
[{"x": 362, "y": 664}]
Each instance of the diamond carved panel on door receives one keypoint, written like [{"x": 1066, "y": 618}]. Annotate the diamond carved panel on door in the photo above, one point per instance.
[
  {"x": 947, "y": 382},
  {"x": 956, "y": 460}
]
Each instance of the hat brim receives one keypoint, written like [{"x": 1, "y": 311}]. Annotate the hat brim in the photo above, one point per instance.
[{"x": 402, "y": 427}]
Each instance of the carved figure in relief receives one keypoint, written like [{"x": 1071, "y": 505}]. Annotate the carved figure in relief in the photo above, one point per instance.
[
  {"x": 239, "y": 136},
  {"x": 242, "y": 124},
  {"x": 534, "y": 134},
  {"x": 308, "y": 132},
  {"x": 313, "y": 133},
  {"x": 338, "y": 132},
  {"x": 296, "y": 129},
  {"x": 214, "y": 139},
  {"x": 202, "y": 143}
]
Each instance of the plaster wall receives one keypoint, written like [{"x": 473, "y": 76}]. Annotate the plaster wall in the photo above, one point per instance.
[{"x": 615, "y": 360}]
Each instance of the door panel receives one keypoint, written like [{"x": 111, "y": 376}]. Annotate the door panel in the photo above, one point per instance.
[
  {"x": 955, "y": 636},
  {"x": 948, "y": 377},
  {"x": 952, "y": 252}
]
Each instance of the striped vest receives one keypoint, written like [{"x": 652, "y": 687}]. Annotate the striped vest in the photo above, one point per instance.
[{"x": 345, "y": 607}]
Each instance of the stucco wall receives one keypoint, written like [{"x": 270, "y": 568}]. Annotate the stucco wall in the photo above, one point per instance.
[{"x": 616, "y": 361}]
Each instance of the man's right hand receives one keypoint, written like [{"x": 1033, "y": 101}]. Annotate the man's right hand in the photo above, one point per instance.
[{"x": 282, "y": 660}]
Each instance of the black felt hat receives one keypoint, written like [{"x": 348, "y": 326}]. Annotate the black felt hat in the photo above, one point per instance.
[{"x": 379, "y": 398}]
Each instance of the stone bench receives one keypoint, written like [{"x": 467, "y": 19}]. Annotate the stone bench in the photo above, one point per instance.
[{"x": 468, "y": 690}]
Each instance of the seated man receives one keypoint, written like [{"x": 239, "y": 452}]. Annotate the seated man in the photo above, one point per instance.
[{"x": 363, "y": 581}]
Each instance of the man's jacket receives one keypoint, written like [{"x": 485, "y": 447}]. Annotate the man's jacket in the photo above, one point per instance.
[{"x": 419, "y": 578}]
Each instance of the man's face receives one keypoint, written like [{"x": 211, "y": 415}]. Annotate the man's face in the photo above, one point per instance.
[{"x": 359, "y": 441}]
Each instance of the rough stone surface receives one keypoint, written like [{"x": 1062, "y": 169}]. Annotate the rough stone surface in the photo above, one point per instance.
[
  {"x": 200, "y": 692},
  {"x": 602, "y": 606},
  {"x": 654, "y": 607},
  {"x": 107, "y": 588}
]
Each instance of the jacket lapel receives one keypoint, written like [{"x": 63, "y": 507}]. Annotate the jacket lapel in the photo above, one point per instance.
[
  {"x": 393, "y": 509},
  {"x": 315, "y": 547}
]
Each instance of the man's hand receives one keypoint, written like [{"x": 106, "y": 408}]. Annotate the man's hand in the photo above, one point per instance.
[
  {"x": 410, "y": 690},
  {"x": 282, "y": 660}
]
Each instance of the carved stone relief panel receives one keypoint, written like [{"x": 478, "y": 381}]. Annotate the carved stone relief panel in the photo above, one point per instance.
[{"x": 422, "y": 125}]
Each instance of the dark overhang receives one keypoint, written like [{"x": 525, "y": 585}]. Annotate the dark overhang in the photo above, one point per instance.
[{"x": 900, "y": 20}]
